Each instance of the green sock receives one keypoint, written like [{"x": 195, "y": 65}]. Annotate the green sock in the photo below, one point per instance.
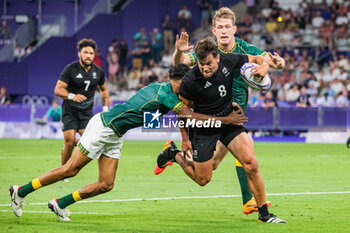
[
  {"x": 25, "y": 189},
  {"x": 65, "y": 201},
  {"x": 243, "y": 181},
  {"x": 68, "y": 200}
]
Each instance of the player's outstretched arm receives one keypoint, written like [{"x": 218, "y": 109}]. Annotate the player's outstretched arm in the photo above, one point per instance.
[
  {"x": 181, "y": 46},
  {"x": 61, "y": 91}
]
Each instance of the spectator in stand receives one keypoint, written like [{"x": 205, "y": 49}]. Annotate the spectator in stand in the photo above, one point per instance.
[
  {"x": 97, "y": 59},
  {"x": 124, "y": 49},
  {"x": 156, "y": 45},
  {"x": 136, "y": 55},
  {"x": 145, "y": 53},
  {"x": 153, "y": 77},
  {"x": 293, "y": 93},
  {"x": 18, "y": 53},
  {"x": 54, "y": 112},
  {"x": 4, "y": 97},
  {"x": 269, "y": 101},
  {"x": 342, "y": 19},
  {"x": 303, "y": 100},
  {"x": 28, "y": 50},
  {"x": 166, "y": 59},
  {"x": 184, "y": 17},
  {"x": 271, "y": 25},
  {"x": 343, "y": 99},
  {"x": 144, "y": 81},
  {"x": 141, "y": 35},
  {"x": 204, "y": 6},
  {"x": 133, "y": 78},
  {"x": 168, "y": 32},
  {"x": 325, "y": 101},
  {"x": 5, "y": 31},
  {"x": 114, "y": 46},
  {"x": 317, "y": 20},
  {"x": 113, "y": 67}
]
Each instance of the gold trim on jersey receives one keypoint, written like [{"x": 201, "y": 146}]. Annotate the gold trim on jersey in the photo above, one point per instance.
[
  {"x": 192, "y": 59},
  {"x": 231, "y": 51}
]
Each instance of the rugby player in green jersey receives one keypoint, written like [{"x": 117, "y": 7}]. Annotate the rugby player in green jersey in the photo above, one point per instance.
[
  {"x": 224, "y": 29},
  {"x": 102, "y": 140}
]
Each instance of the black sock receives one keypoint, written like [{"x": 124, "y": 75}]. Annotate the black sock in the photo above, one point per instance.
[
  {"x": 263, "y": 211},
  {"x": 172, "y": 153}
]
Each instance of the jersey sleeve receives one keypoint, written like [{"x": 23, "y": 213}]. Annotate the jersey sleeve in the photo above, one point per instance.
[
  {"x": 250, "y": 49},
  {"x": 65, "y": 75},
  {"x": 170, "y": 100},
  {"x": 193, "y": 58},
  {"x": 102, "y": 79}
]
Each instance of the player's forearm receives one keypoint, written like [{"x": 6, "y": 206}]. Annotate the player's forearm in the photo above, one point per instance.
[
  {"x": 62, "y": 93},
  {"x": 105, "y": 98},
  {"x": 184, "y": 134},
  {"x": 178, "y": 57}
]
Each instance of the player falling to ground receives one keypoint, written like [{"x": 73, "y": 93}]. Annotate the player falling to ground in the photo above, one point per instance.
[
  {"x": 102, "y": 140},
  {"x": 76, "y": 86},
  {"x": 208, "y": 89},
  {"x": 224, "y": 29}
]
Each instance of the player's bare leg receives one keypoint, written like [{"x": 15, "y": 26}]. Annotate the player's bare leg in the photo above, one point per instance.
[
  {"x": 69, "y": 143},
  {"x": 69, "y": 169},
  {"x": 242, "y": 147},
  {"x": 105, "y": 183},
  {"x": 107, "y": 171},
  {"x": 219, "y": 154},
  {"x": 200, "y": 173}
]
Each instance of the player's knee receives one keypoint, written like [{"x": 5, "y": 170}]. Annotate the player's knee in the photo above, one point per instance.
[
  {"x": 69, "y": 170},
  {"x": 202, "y": 181},
  {"x": 251, "y": 166},
  {"x": 69, "y": 143},
  {"x": 104, "y": 187}
]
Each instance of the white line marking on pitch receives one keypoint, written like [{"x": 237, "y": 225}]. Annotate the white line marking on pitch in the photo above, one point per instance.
[
  {"x": 49, "y": 212},
  {"x": 194, "y": 197}
]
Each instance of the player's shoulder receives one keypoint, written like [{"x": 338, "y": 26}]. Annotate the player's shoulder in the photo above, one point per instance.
[
  {"x": 97, "y": 68},
  {"x": 72, "y": 66}
]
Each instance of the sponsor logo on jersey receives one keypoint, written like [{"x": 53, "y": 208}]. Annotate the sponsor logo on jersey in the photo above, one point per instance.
[
  {"x": 94, "y": 75},
  {"x": 79, "y": 76},
  {"x": 151, "y": 120},
  {"x": 225, "y": 71},
  {"x": 207, "y": 84}
]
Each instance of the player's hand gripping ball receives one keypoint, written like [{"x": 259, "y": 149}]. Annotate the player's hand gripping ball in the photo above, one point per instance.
[{"x": 254, "y": 81}]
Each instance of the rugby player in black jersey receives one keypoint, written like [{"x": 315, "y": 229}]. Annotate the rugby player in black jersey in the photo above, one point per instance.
[
  {"x": 208, "y": 89},
  {"x": 76, "y": 86}
]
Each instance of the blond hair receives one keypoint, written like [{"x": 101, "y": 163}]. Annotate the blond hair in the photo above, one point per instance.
[{"x": 224, "y": 12}]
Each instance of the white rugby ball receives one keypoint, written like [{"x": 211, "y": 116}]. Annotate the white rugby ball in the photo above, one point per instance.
[{"x": 252, "y": 80}]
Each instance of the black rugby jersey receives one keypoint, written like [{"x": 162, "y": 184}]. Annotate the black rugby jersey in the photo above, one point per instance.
[
  {"x": 81, "y": 82},
  {"x": 212, "y": 96}
]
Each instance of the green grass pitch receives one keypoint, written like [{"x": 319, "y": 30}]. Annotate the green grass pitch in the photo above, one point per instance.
[{"x": 312, "y": 172}]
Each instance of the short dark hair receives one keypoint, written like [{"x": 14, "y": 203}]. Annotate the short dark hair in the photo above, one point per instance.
[
  {"x": 177, "y": 72},
  {"x": 206, "y": 47},
  {"x": 87, "y": 43}
]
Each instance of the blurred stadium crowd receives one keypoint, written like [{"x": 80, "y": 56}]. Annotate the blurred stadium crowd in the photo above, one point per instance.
[{"x": 313, "y": 38}]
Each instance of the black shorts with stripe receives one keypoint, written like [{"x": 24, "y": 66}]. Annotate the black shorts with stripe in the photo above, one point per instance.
[{"x": 204, "y": 144}]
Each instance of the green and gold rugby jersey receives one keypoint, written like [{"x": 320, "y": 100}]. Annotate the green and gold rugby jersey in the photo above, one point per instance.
[
  {"x": 239, "y": 87},
  {"x": 156, "y": 96}
]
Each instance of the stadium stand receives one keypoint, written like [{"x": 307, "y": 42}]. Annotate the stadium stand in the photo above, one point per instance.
[{"x": 312, "y": 36}]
